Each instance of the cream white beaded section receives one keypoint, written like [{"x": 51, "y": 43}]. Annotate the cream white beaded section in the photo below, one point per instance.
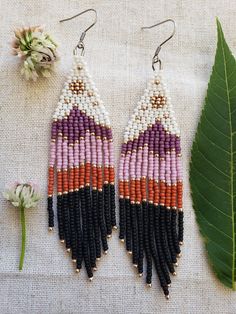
[
  {"x": 80, "y": 91},
  {"x": 154, "y": 105}
]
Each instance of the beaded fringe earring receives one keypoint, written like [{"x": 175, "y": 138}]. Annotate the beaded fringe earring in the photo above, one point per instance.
[
  {"x": 150, "y": 183},
  {"x": 82, "y": 154}
]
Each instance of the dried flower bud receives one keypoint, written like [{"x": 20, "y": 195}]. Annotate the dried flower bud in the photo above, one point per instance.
[{"x": 36, "y": 49}]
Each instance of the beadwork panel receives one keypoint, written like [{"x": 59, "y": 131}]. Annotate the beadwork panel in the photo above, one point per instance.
[{"x": 119, "y": 56}]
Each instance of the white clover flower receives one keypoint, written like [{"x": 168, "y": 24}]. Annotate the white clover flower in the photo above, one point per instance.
[{"x": 22, "y": 195}]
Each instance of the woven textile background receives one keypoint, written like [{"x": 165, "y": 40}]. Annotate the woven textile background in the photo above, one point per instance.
[{"x": 119, "y": 58}]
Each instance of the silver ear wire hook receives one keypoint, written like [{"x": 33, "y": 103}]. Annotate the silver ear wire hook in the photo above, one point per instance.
[
  {"x": 80, "y": 45},
  {"x": 155, "y": 58}
]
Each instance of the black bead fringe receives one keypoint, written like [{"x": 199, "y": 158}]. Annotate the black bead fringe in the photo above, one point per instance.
[
  {"x": 85, "y": 220},
  {"x": 153, "y": 231}
]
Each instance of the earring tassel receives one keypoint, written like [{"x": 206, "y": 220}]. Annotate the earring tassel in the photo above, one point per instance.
[
  {"x": 150, "y": 185},
  {"x": 81, "y": 152}
]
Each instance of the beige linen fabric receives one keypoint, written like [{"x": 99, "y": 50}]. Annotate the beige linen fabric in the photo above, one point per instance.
[{"x": 119, "y": 58}]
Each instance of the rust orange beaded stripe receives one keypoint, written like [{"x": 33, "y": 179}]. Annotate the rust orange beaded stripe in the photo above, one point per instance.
[
  {"x": 150, "y": 176},
  {"x": 81, "y": 160}
]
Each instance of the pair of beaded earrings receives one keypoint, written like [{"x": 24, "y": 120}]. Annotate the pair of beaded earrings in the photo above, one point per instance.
[{"x": 150, "y": 174}]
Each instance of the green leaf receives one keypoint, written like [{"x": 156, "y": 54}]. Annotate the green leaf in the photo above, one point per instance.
[{"x": 213, "y": 166}]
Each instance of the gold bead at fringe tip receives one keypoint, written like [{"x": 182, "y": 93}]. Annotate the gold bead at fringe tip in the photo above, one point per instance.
[
  {"x": 181, "y": 243},
  {"x": 167, "y": 296},
  {"x": 140, "y": 274},
  {"x": 174, "y": 273},
  {"x": 179, "y": 255},
  {"x": 115, "y": 227},
  {"x": 68, "y": 250},
  {"x": 122, "y": 240},
  {"x": 135, "y": 265},
  {"x": 50, "y": 229},
  {"x": 130, "y": 252},
  {"x": 95, "y": 268},
  {"x": 109, "y": 236},
  {"x": 91, "y": 279},
  {"x": 77, "y": 270},
  {"x": 105, "y": 252},
  {"x": 176, "y": 264},
  {"x": 149, "y": 285},
  {"x": 98, "y": 258},
  {"x": 62, "y": 241},
  {"x": 74, "y": 260}
]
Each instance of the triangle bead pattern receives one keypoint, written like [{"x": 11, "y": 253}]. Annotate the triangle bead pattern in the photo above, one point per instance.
[
  {"x": 150, "y": 185},
  {"x": 81, "y": 159}
]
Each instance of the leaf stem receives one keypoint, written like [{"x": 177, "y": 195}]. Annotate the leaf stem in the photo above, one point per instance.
[{"x": 23, "y": 236}]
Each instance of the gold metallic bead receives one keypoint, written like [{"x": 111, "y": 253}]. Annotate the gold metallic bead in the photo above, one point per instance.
[
  {"x": 181, "y": 243},
  {"x": 167, "y": 297},
  {"x": 135, "y": 265},
  {"x": 130, "y": 252},
  {"x": 62, "y": 241},
  {"x": 140, "y": 274},
  {"x": 74, "y": 260},
  {"x": 105, "y": 252},
  {"x": 94, "y": 268},
  {"x": 68, "y": 250},
  {"x": 91, "y": 279},
  {"x": 149, "y": 285},
  {"x": 174, "y": 273},
  {"x": 176, "y": 264},
  {"x": 50, "y": 229},
  {"x": 122, "y": 240},
  {"x": 77, "y": 270},
  {"x": 109, "y": 236}
]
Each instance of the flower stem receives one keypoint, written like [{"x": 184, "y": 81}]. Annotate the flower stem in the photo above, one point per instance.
[{"x": 23, "y": 236}]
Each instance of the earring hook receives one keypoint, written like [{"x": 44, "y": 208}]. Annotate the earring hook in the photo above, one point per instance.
[
  {"x": 156, "y": 58},
  {"x": 80, "y": 45}
]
